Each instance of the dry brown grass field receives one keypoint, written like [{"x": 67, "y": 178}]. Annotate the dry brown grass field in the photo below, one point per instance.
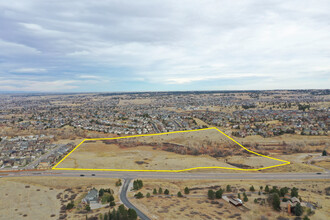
[
  {"x": 165, "y": 152},
  {"x": 197, "y": 206},
  {"x": 43, "y": 197}
]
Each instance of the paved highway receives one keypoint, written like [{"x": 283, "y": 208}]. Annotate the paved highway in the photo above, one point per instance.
[
  {"x": 183, "y": 175},
  {"x": 128, "y": 204}
]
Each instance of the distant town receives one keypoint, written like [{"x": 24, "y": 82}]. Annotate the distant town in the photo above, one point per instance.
[{"x": 31, "y": 124}]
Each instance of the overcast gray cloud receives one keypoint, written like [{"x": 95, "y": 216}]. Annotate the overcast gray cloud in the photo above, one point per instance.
[{"x": 163, "y": 45}]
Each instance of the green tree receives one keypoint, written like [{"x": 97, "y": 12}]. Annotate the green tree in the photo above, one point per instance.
[
  {"x": 123, "y": 212},
  {"x": 132, "y": 214},
  {"x": 105, "y": 217},
  {"x": 267, "y": 189},
  {"x": 186, "y": 190},
  {"x": 324, "y": 153},
  {"x": 252, "y": 189},
  {"x": 111, "y": 198},
  {"x": 154, "y": 192},
  {"x": 118, "y": 182},
  {"x": 284, "y": 191},
  {"x": 276, "y": 202},
  {"x": 294, "y": 192},
  {"x": 137, "y": 184},
  {"x": 112, "y": 204},
  {"x": 70, "y": 205},
  {"x": 113, "y": 215},
  {"x": 228, "y": 188},
  {"x": 139, "y": 195},
  {"x": 239, "y": 195},
  {"x": 160, "y": 190},
  {"x": 245, "y": 199},
  {"x": 101, "y": 192},
  {"x": 255, "y": 201},
  {"x": 298, "y": 211},
  {"x": 166, "y": 192},
  {"x": 211, "y": 194},
  {"x": 87, "y": 208},
  {"x": 306, "y": 218},
  {"x": 218, "y": 194},
  {"x": 140, "y": 184},
  {"x": 259, "y": 193},
  {"x": 180, "y": 194},
  {"x": 148, "y": 195}
]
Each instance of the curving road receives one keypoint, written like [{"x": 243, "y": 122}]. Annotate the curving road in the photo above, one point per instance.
[{"x": 127, "y": 203}]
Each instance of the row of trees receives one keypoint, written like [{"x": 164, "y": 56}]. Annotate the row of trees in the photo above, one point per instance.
[
  {"x": 140, "y": 195},
  {"x": 137, "y": 184},
  {"x": 120, "y": 214},
  {"x": 215, "y": 194}
]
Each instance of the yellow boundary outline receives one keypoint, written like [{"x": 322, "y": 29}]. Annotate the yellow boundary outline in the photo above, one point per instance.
[{"x": 176, "y": 171}]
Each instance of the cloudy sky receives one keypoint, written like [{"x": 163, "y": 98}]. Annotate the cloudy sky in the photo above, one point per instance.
[{"x": 157, "y": 45}]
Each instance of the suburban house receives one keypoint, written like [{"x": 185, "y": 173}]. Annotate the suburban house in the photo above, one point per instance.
[
  {"x": 235, "y": 201},
  {"x": 91, "y": 197}
]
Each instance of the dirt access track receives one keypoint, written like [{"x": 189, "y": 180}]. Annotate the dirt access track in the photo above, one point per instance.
[{"x": 144, "y": 154}]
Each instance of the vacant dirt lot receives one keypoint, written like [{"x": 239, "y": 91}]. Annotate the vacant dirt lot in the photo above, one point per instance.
[{"x": 147, "y": 153}]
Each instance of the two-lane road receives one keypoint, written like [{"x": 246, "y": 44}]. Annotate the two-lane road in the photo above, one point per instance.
[{"x": 127, "y": 203}]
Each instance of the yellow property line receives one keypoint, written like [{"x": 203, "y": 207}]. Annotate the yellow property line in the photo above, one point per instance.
[{"x": 176, "y": 171}]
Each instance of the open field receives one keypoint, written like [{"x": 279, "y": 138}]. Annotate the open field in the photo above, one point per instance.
[
  {"x": 196, "y": 204},
  {"x": 206, "y": 148},
  {"x": 43, "y": 197}
]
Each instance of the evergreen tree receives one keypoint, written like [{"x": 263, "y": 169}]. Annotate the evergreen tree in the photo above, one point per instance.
[
  {"x": 154, "y": 192},
  {"x": 298, "y": 211},
  {"x": 245, "y": 199},
  {"x": 276, "y": 202},
  {"x": 139, "y": 195},
  {"x": 294, "y": 192},
  {"x": 113, "y": 215},
  {"x": 218, "y": 194},
  {"x": 180, "y": 194},
  {"x": 267, "y": 189},
  {"x": 239, "y": 195},
  {"x": 211, "y": 194},
  {"x": 186, "y": 190},
  {"x": 105, "y": 217},
  {"x": 324, "y": 153},
  {"x": 252, "y": 189},
  {"x": 70, "y": 205},
  {"x": 132, "y": 214},
  {"x": 101, "y": 192},
  {"x": 123, "y": 212},
  {"x": 166, "y": 192},
  {"x": 284, "y": 191},
  {"x": 148, "y": 195},
  {"x": 228, "y": 189},
  {"x": 160, "y": 190},
  {"x": 112, "y": 204}
]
